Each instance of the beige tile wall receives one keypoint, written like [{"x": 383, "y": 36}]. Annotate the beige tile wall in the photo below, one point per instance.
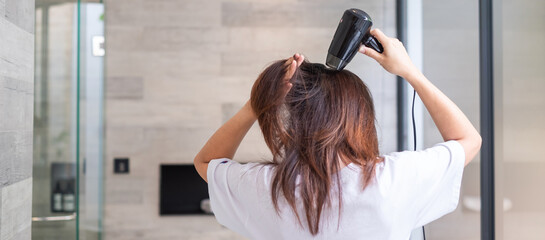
[{"x": 176, "y": 70}]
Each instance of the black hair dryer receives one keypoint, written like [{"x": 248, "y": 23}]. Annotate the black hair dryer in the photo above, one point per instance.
[{"x": 353, "y": 30}]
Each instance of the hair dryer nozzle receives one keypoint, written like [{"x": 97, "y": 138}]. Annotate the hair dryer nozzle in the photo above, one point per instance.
[{"x": 335, "y": 62}]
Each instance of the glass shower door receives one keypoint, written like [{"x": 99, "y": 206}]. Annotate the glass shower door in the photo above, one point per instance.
[
  {"x": 67, "y": 167},
  {"x": 55, "y": 126},
  {"x": 91, "y": 102},
  {"x": 520, "y": 114}
]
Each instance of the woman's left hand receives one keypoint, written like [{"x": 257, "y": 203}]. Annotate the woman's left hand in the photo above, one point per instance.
[{"x": 292, "y": 63}]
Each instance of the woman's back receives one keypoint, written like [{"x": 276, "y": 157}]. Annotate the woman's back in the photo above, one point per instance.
[
  {"x": 325, "y": 121},
  {"x": 409, "y": 190}
]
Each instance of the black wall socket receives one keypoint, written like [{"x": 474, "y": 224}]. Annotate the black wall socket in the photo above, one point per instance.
[{"x": 121, "y": 165}]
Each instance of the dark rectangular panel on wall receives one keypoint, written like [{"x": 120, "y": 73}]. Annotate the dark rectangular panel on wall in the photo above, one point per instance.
[
  {"x": 182, "y": 190},
  {"x": 487, "y": 119}
]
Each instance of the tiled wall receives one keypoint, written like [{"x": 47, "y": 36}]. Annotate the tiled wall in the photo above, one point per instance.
[
  {"x": 16, "y": 116},
  {"x": 176, "y": 70}
]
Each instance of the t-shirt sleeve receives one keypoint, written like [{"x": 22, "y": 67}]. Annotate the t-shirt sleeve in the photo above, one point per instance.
[
  {"x": 431, "y": 179},
  {"x": 229, "y": 186}
]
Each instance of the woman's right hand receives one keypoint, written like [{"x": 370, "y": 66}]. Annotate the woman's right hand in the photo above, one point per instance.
[{"x": 394, "y": 58}]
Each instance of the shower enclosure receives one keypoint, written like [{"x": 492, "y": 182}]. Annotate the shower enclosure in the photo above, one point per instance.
[{"x": 68, "y": 121}]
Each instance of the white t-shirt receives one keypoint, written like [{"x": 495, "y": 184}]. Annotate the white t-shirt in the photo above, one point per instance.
[{"x": 410, "y": 189}]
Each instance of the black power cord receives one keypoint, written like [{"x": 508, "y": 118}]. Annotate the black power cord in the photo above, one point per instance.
[
  {"x": 414, "y": 123},
  {"x": 414, "y": 145}
]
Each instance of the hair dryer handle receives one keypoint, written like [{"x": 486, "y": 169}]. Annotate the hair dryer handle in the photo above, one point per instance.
[{"x": 372, "y": 42}]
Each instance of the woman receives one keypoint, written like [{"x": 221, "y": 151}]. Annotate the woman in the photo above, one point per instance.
[{"x": 326, "y": 179}]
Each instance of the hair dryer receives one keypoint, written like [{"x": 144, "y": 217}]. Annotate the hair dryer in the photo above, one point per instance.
[{"x": 353, "y": 30}]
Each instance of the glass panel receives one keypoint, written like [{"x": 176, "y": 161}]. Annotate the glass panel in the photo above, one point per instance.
[
  {"x": 68, "y": 120},
  {"x": 91, "y": 119},
  {"x": 54, "y": 175},
  {"x": 451, "y": 62},
  {"x": 522, "y": 115}
]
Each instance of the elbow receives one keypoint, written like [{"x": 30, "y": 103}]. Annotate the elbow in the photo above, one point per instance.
[
  {"x": 197, "y": 159},
  {"x": 201, "y": 158},
  {"x": 200, "y": 166},
  {"x": 479, "y": 142},
  {"x": 473, "y": 147}
]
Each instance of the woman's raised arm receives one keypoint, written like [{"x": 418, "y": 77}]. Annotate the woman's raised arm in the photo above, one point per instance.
[{"x": 449, "y": 119}]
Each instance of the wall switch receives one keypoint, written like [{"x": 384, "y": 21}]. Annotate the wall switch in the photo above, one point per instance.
[{"x": 121, "y": 165}]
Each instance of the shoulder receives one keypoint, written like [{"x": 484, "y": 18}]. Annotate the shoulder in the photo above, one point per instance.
[
  {"x": 236, "y": 191},
  {"x": 413, "y": 167},
  {"x": 448, "y": 151}
]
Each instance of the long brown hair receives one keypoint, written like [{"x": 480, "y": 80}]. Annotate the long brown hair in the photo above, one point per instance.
[{"x": 326, "y": 116}]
